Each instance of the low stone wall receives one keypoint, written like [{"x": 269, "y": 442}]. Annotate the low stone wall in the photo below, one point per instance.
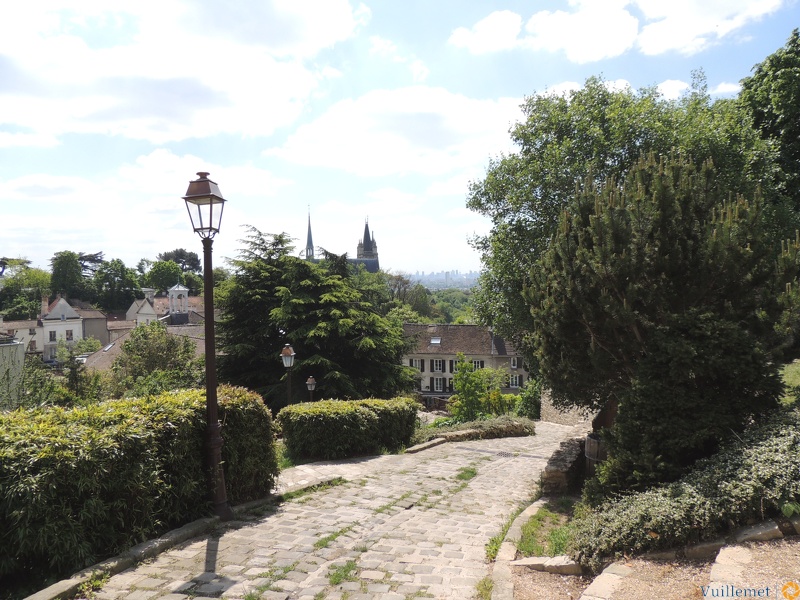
[
  {"x": 565, "y": 469},
  {"x": 563, "y": 417}
]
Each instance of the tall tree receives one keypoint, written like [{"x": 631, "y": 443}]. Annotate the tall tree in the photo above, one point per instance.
[
  {"x": 599, "y": 133},
  {"x": 116, "y": 285},
  {"x": 659, "y": 296},
  {"x": 163, "y": 274},
  {"x": 772, "y": 95},
  {"x": 340, "y": 338},
  {"x": 22, "y": 292},
  {"x": 67, "y": 276},
  {"x": 189, "y": 262}
]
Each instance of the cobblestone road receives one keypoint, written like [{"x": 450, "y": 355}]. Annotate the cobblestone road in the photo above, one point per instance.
[{"x": 399, "y": 526}]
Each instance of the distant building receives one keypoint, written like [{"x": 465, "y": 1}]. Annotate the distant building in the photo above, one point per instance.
[{"x": 366, "y": 251}]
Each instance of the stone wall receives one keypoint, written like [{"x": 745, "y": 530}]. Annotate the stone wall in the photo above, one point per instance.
[
  {"x": 569, "y": 417},
  {"x": 565, "y": 470}
]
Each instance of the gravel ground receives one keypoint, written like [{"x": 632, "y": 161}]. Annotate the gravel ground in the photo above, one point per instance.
[{"x": 536, "y": 585}]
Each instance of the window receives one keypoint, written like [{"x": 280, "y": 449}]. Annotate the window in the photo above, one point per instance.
[
  {"x": 31, "y": 331},
  {"x": 32, "y": 346},
  {"x": 69, "y": 335},
  {"x": 417, "y": 363},
  {"x": 515, "y": 381},
  {"x": 438, "y": 365},
  {"x": 477, "y": 364},
  {"x": 436, "y": 340},
  {"x": 52, "y": 336},
  {"x": 514, "y": 362},
  {"x": 438, "y": 384}
]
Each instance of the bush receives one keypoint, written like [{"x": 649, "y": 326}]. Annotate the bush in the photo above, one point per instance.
[
  {"x": 751, "y": 478},
  {"x": 83, "y": 483},
  {"x": 529, "y": 401},
  {"x": 341, "y": 428},
  {"x": 503, "y": 426}
]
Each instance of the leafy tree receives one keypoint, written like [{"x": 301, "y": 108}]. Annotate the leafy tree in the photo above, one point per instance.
[
  {"x": 67, "y": 274},
  {"x": 163, "y": 275},
  {"x": 22, "y": 291},
  {"x": 194, "y": 282},
  {"x": 90, "y": 262},
  {"x": 116, "y": 285},
  {"x": 189, "y": 262},
  {"x": 475, "y": 389},
  {"x": 151, "y": 354},
  {"x": 658, "y": 298},
  {"x": 221, "y": 274},
  {"x": 38, "y": 387},
  {"x": 772, "y": 95},
  {"x": 598, "y": 133},
  {"x": 341, "y": 339}
]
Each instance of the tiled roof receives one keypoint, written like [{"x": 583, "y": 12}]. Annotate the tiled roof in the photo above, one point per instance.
[
  {"x": 9, "y": 325},
  {"x": 469, "y": 339}
]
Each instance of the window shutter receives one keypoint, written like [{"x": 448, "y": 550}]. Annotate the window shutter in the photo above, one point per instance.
[
  {"x": 451, "y": 366},
  {"x": 482, "y": 364},
  {"x": 431, "y": 388},
  {"x": 450, "y": 385},
  {"x": 410, "y": 362},
  {"x": 431, "y": 365},
  {"x": 422, "y": 365}
]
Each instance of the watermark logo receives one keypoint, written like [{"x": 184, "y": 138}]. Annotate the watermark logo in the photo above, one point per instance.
[{"x": 791, "y": 590}]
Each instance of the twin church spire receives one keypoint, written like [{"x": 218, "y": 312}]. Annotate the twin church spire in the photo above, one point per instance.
[{"x": 366, "y": 251}]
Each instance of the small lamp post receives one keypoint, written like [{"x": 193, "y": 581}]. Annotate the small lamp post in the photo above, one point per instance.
[
  {"x": 311, "y": 383},
  {"x": 205, "y": 203},
  {"x": 287, "y": 356}
]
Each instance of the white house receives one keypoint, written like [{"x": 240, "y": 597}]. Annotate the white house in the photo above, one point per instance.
[
  {"x": 61, "y": 322},
  {"x": 142, "y": 312}
]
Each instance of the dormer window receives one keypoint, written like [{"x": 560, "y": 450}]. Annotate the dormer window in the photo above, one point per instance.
[
  {"x": 63, "y": 317},
  {"x": 436, "y": 340},
  {"x": 513, "y": 362}
]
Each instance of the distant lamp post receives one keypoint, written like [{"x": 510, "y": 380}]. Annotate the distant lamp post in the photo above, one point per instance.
[
  {"x": 3, "y": 265},
  {"x": 287, "y": 356},
  {"x": 205, "y": 203},
  {"x": 311, "y": 383}
]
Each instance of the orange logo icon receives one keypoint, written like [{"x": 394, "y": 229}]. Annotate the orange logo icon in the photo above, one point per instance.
[{"x": 791, "y": 591}]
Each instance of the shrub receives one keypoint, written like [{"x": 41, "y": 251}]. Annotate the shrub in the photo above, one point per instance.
[
  {"x": 341, "y": 428},
  {"x": 751, "y": 478},
  {"x": 529, "y": 401},
  {"x": 83, "y": 483},
  {"x": 503, "y": 426}
]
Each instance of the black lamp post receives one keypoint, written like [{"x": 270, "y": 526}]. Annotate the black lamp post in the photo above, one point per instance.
[
  {"x": 311, "y": 383},
  {"x": 205, "y": 203},
  {"x": 287, "y": 356}
]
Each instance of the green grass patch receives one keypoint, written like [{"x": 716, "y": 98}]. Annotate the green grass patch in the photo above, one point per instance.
[
  {"x": 342, "y": 573},
  {"x": 791, "y": 378},
  {"x": 466, "y": 473},
  {"x": 385, "y": 507},
  {"x": 484, "y": 588},
  {"x": 325, "y": 542},
  {"x": 288, "y": 496},
  {"x": 547, "y": 533},
  {"x": 493, "y": 545}
]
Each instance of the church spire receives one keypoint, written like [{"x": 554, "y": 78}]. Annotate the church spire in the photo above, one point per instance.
[{"x": 309, "y": 240}]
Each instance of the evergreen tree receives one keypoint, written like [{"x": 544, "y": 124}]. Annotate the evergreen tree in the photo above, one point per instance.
[{"x": 658, "y": 297}]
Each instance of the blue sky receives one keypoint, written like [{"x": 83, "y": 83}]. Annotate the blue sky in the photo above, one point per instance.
[{"x": 359, "y": 110}]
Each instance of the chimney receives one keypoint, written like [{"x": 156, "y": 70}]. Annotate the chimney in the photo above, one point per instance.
[{"x": 45, "y": 305}]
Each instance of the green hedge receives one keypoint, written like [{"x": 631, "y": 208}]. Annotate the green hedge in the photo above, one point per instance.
[
  {"x": 77, "y": 485},
  {"x": 749, "y": 480},
  {"x": 341, "y": 428}
]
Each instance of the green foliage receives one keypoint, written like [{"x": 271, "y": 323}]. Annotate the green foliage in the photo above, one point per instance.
[
  {"x": 79, "y": 484},
  {"x": 599, "y": 133},
  {"x": 339, "y": 337},
  {"x": 22, "y": 291},
  {"x": 38, "y": 387},
  {"x": 338, "y": 429},
  {"x": 67, "y": 276},
  {"x": 342, "y": 573},
  {"x": 653, "y": 292},
  {"x": 529, "y": 400},
  {"x": 477, "y": 392},
  {"x": 163, "y": 274},
  {"x": 749, "y": 479},
  {"x": 152, "y": 361},
  {"x": 189, "y": 262},
  {"x": 116, "y": 285}
]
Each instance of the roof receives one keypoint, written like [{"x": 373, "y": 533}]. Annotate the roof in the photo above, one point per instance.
[
  {"x": 16, "y": 325},
  {"x": 58, "y": 309},
  {"x": 104, "y": 358},
  {"x": 468, "y": 339},
  {"x": 90, "y": 313}
]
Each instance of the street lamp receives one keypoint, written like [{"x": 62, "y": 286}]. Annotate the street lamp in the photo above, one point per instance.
[
  {"x": 287, "y": 356},
  {"x": 311, "y": 383},
  {"x": 204, "y": 202}
]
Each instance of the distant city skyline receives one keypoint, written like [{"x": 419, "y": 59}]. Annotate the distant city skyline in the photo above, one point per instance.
[{"x": 378, "y": 110}]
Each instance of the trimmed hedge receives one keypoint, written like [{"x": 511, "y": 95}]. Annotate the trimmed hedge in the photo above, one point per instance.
[
  {"x": 80, "y": 484},
  {"x": 749, "y": 480},
  {"x": 342, "y": 428}
]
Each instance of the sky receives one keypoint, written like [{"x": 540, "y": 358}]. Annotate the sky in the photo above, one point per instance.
[{"x": 347, "y": 111}]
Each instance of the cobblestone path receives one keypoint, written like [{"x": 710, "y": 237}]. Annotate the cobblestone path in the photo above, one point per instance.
[{"x": 396, "y": 527}]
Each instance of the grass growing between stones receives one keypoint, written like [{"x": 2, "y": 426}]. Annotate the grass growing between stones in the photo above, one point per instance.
[
  {"x": 342, "y": 573},
  {"x": 547, "y": 533},
  {"x": 466, "y": 473},
  {"x": 313, "y": 489},
  {"x": 493, "y": 545},
  {"x": 324, "y": 542},
  {"x": 484, "y": 588}
]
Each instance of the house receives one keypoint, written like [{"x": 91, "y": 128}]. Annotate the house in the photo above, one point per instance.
[
  {"x": 142, "y": 312},
  {"x": 94, "y": 324},
  {"x": 60, "y": 322},
  {"x": 28, "y": 333},
  {"x": 434, "y": 356}
]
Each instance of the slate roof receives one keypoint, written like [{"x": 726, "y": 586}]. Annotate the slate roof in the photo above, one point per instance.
[{"x": 469, "y": 339}]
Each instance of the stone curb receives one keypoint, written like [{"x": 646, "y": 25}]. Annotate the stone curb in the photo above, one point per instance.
[
  {"x": 425, "y": 445},
  {"x": 151, "y": 548},
  {"x": 727, "y": 565},
  {"x": 503, "y": 584}
]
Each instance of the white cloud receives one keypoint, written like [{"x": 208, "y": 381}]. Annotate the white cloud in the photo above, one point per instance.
[
  {"x": 672, "y": 88},
  {"x": 688, "y": 26},
  {"x": 596, "y": 30},
  {"x": 152, "y": 71},
  {"x": 388, "y": 50},
  {"x": 496, "y": 32},
  {"x": 727, "y": 88},
  {"x": 415, "y": 129}
]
